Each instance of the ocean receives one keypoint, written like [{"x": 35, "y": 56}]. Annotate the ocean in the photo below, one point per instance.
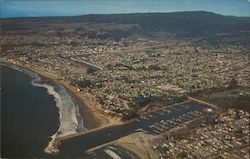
[{"x": 34, "y": 114}]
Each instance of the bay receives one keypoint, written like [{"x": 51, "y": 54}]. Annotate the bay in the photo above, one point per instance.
[{"x": 28, "y": 115}]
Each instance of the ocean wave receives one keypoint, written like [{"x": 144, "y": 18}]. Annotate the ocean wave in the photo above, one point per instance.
[
  {"x": 12, "y": 66},
  {"x": 69, "y": 116},
  {"x": 68, "y": 119}
]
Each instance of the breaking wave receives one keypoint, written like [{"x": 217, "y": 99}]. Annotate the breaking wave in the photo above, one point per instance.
[{"x": 69, "y": 116}]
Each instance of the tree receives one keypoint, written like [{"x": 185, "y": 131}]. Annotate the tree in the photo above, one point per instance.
[
  {"x": 233, "y": 84},
  {"x": 84, "y": 83},
  {"x": 182, "y": 154},
  {"x": 129, "y": 114},
  {"x": 163, "y": 150}
]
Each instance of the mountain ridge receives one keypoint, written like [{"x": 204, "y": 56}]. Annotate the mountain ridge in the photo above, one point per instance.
[{"x": 180, "y": 24}]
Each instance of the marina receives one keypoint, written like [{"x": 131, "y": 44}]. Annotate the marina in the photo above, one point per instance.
[{"x": 152, "y": 123}]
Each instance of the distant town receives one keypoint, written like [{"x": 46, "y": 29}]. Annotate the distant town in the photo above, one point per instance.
[{"x": 136, "y": 74}]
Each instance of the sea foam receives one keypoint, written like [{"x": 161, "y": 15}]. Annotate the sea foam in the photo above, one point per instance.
[
  {"x": 69, "y": 116},
  {"x": 70, "y": 120},
  {"x": 67, "y": 111}
]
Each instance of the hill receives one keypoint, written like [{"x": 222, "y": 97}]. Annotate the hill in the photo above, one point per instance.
[{"x": 190, "y": 24}]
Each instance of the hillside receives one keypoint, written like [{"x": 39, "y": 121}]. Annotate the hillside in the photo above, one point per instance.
[{"x": 196, "y": 24}]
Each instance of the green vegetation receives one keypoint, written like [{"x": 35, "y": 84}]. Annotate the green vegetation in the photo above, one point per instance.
[
  {"x": 84, "y": 83},
  {"x": 226, "y": 94},
  {"x": 163, "y": 150},
  {"x": 129, "y": 114},
  {"x": 232, "y": 96},
  {"x": 142, "y": 101},
  {"x": 233, "y": 84},
  {"x": 182, "y": 154}
]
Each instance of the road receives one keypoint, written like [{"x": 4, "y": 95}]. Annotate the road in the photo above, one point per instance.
[{"x": 97, "y": 68}]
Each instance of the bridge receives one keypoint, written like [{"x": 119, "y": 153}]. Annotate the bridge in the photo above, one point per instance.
[{"x": 77, "y": 145}]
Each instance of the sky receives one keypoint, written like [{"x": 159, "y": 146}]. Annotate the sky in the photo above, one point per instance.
[{"x": 35, "y": 8}]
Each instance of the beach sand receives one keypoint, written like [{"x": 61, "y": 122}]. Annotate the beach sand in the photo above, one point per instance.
[
  {"x": 93, "y": 117},
  {"x": 138, "y": 144},
  {"x": 90, "y": 112}
]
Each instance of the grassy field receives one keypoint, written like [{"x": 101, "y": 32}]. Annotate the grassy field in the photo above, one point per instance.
[{"x": 226, "y": 98}]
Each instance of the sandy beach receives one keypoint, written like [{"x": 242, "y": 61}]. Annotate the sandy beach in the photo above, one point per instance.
[
  {"x": 93, "y": 117},
  {"x": 89, "y": 111},
  {"x": 138, "y": 144},
  {"x": 91, "y": 114}
]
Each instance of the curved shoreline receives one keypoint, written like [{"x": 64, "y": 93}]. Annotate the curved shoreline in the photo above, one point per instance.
[
  {"x": 89, "y": 111},
  {"x": 69, "y": 118},
  {"x": 85, "y": 114},
  {"x": 91, "y": 116}
]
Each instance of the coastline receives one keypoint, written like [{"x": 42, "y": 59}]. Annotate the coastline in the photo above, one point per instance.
[
  {"x": 91, "y": 115},
  {"x": 89, "y": 111}
]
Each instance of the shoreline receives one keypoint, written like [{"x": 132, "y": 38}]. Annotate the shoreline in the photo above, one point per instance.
[
  {"x": 90, "y": 113},
  {"x": 92, "y": 117}
]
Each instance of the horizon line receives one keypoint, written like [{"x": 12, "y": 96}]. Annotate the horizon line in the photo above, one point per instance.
[{"x": 51, "y": 16}]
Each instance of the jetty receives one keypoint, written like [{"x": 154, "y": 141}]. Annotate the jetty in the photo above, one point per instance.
[{"x": 78, "y": 144}]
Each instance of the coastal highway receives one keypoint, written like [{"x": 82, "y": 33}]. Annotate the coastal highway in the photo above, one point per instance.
[{"x": 77, "y": 145}]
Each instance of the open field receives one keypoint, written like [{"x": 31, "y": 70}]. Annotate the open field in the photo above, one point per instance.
[{"x": 227, "y": 98}]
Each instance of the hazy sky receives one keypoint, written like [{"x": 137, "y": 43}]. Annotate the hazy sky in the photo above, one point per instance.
[{"x": 27, "y": 8}]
